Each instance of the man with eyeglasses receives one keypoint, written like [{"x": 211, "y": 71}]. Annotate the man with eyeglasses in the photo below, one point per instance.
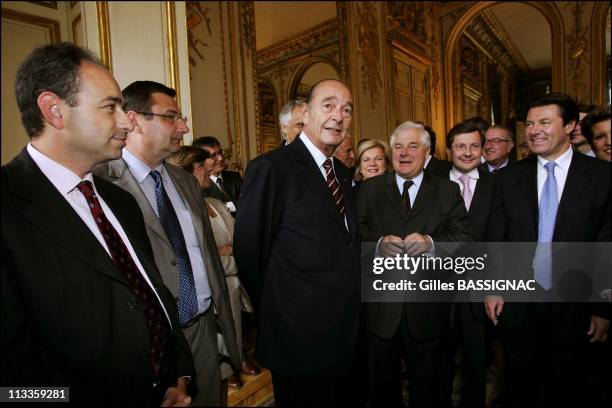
[
  {"x": 498, "y": 143},
  {"x": 179, "y": 229},
  {"x": 226, "y": 184}
]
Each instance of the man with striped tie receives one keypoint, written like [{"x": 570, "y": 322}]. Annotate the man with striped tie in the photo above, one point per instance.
[{"x": 298, "y": 252}]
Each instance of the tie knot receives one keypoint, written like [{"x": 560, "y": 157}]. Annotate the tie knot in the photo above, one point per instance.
[
  {"x": 464, "y": 178},
  {"x": 156, "y": 176},
  {"x": 408, "y": 184},
  {"x": 86, "y": 188},
  {"x": 327, "y": 164},
  {"x": 550, "y": 166}
]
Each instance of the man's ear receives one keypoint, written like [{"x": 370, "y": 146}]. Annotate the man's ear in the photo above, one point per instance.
[
  {"x": 51, "y": 106},
  {"x": 570, "y": 127},
  {"x": 136, "y": 121},
  {"x": 449, "y": 154}
]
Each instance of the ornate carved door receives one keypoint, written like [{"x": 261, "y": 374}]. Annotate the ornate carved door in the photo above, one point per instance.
[{"x": 412, "y": 88}]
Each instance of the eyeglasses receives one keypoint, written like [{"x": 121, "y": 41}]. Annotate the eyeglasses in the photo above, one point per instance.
[
  {"x": 171, "y": 117},
  {"x": 495, "y": 141}
]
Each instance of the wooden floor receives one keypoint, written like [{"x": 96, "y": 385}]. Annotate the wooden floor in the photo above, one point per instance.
[{"x": 256, "y": 391}]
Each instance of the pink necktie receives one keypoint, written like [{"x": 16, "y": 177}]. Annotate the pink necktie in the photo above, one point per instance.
[{"x": 467, "y": 193}]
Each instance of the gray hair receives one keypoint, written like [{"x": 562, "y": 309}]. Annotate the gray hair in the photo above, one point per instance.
[
  {"x": 285, "y": 113},
  {"x": 425, "y": 139}
]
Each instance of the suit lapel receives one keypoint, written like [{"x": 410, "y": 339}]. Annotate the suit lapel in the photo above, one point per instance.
[
  {"x": 424, "y": 197},
  {"x": 394, "y": 196},
  {"x": 481, "y": 189},
  {"x": 121, "y": 176},
  {"x": 46, "y": 208},
  {"x": 313, "y": 177},
  {"x": 528, "y": 181},
  {"x": 577, "y": 180}
]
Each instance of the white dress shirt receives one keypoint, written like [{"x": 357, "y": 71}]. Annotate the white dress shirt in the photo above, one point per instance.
[
  {"x": 141, "y": 172},
  {"x": 65, "y": 181},
  {"x": 414, "y": 188}
]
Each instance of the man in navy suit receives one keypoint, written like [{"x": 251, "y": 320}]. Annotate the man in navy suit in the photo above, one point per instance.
[
  {"x": 83, "y": 304},
  {"x": 298, "y": 253},
  {"x": 556, "y": 195}
]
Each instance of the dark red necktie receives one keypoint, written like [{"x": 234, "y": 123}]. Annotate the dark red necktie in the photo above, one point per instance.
[
  {"x": 159, "y": 329},
  {"x": 333, "y": 185}
]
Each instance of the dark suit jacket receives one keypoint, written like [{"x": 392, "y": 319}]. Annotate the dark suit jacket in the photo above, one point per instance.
[
  {"x": 232, "y": 183},
  {"x": 481, "y": 204},
  {"x": 299, "y": 263},
  {"x": 439, "y": 212},
  {"x": 69, "y": 317},
  {"x": 438, "y": 167},
  {"x": 583, "y": 216}
]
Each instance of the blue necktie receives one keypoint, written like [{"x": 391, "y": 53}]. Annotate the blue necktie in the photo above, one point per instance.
[
  {"x": 549, "y": 203},
  {"x": 188, "y": 300}
]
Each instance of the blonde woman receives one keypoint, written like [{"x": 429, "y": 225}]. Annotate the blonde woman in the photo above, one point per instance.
[{"x": 372, "y": 159}]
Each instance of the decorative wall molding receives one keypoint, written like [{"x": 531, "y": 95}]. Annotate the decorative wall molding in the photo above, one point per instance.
[
  {"x": 407, "y": 23},
  {"x": 578, "y": 50},
  {"x": 498, "y": 30},
  {"x": 106, "y": 55},
  {"x": 224, "y": 66},
  {"x": 480, "y": 30},
  {"x": 234, "y": 70},
  {"x": 369, "y": 50},
  {"x": 303, "y": 43},
  {"x": 52, "y": 26},
  {"x": 600, "y": 30},
  {"x": 172, "y": 50},
  {"x": 196, "y": 14}
]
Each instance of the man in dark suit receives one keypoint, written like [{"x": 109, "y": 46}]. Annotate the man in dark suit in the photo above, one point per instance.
[
  {"x": 83, "y": 304},
  {"x": 411, "y": 210},
  {"x": 432, "y": 164},
  {"x": 183, "y": 244},
  {"x": 226, "y": 184},
  {"x": 465, "y": 141},
  {"x": 297, "y": 249},
  {"x": 555, "y": 195}
]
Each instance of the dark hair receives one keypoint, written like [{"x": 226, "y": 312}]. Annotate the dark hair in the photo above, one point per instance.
[
  {"x": 187, "y": 156},
  {"x": 463, "y": 127},
  {"x": 595, "y": 116},
  {"x": 582, "y": 108},
  {"x": 206, "y": 141},
  {"x": 137, "y": 95},
  {"x": 504, "y": 128},
  {"x": 482, "y": 123},
  {"x": 54, "y": 68},
  {"x": 567, "y": 106}
]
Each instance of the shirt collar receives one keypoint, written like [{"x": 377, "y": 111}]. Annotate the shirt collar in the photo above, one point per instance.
[
  {"x": 473, "y": 174},
  {"x": 60, "y": 176},
  {"x": 491, "y": 167},
  {"x": 562, "y": 161},
  {"x": 416, "y": 180},
  {"x": 139, "y": 169},
  {"x": 316, "y": 154}
]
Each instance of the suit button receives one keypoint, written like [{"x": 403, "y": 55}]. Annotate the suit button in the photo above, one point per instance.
[
  {"x": 131, "y": 303},
  {"x": 173, "y": 262}
]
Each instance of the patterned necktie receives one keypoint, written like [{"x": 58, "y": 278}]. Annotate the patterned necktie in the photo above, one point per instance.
[
  {"x": 406, "y": 196},
  {"x": 221, "y": 186},
  {"x": 549, "y": 203},
  {"x": 333, "y": 185},
  {"x": 188, "y": 300},
  {"x": 466, "y": 193},
  {"x": 159, "y": 329}
]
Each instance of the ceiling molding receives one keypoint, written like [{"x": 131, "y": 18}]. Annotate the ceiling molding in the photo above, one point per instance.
[{"x": 505, "y": 39}]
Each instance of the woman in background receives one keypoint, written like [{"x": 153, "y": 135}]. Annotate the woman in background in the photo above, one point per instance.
[
  {"x": 199, "y": 163},
  {"x": 372, "y": 159}
]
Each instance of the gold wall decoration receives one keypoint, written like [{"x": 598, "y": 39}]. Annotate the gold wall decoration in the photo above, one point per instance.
[
  {"x": 106, "y": 55},
  {"x": 247, "y": 20},
  {"x": 369, "y": 50},
  {"x": 172, "y": 50},
  {"x": 406, "y": 22},
  {"x": 234, "y": 70},
  {"x": 490, "y": 44},
  {"x": 77, "y": 36},
  {"x": 432, "y": 10},
  {"x": 50, "y": 4},
  {"x": 73, "y": 3},
  {"x": 196, "y": 15},
  {"x": 224, "y": 66},
  {"x": 342, "y": 33},
  {"x": 578, "y": 50},
  {"x": 302, "y": 43},
  {"x": 600, "y": 30}
]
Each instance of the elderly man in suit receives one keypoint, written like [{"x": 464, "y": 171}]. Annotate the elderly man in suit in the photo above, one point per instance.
[
  {"x": 412, "y": 210},
  {"x": 83, "y": 305},
  {"x": 297, "y": 249},
  {"x": 178, "y": 227},
  {"x": 465, "y": 141},
  {"x": 556, "y": 195}
]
